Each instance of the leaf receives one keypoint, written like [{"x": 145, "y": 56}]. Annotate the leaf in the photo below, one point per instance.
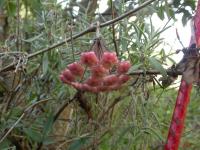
[
  {"x": 186, "y": 17},
  {"x": 45, "y": 63},
  {"x": 168, "y": 10},
  {"x": 190, "y": 4},
  {"x": 11, "y": 8},
  {"x": 79, "y": 143},
  {"x": 49, "y": 140},
  {"x": 35, "y": 6},
  {"x": 133, "y": 68},
  {"x": 33, "y": 38},
  {"x": 171, "y": 13},
  {"x": 171, "y": 60},
  {"x": 160, "y": 13},
  {"x": 140, "y": 31},
  {"x": 123, "y": 136},
  {"x": 105, "y": 145},
  {"x": 15, "y": 112},
  {"x": 5, "y": 145},
  {"x": 2, "y": 3},
  {"x": 154, "y": 132},
  {"x": 48, "y": 125},
  {"x": 156, "y": 65},
  {"x": 176, "y": 3},
  {"x": 33, "y": 135}
]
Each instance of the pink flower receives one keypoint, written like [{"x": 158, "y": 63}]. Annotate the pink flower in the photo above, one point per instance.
[
  {"x": 123, "y": 78},
  {"x": 89, "y": 88},
  {"x": 66, "y": 75},
  {"x": 76, "y": 69},
  {"x": 99, "y": 71},
  {"x": 77, "y": 85},
  {"x": 89, "y": 58},
  {"x": 63, "y": 79},
  {"x": 123, "y": 67},
  {"x": 115, "y": 86},
  {"x": 110, "y": 80},
  {"x": 102, "y": 88},
  {"x": 92, "y": 81},
  {"x": 109, "y": 59}
]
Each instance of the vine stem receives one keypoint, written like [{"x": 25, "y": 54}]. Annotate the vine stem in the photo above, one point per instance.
[{"x": 92, "y": 28}]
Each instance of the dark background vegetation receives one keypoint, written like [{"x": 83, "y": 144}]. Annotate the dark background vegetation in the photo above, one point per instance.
[{"x": 39, "y": 112}]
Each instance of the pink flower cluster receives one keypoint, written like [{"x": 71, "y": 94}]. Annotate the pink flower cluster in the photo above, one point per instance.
[{"x": 100, "y": 78}]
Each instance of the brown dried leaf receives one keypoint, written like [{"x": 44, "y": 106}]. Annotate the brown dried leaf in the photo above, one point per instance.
[{"x": 191, "y": 72}]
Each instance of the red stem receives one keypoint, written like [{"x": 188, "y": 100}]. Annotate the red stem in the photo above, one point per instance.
[
  {"x": 177, "y": 123},
  {"x": 183, "y": 98}
]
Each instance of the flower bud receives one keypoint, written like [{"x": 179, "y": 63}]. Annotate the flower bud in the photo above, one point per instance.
[
  {"x": 62, "y": 78},
  {"x": 77, "y": 85},
  {"x": 123, "y": 78},
  {"x": 89, "y": 88},
  {"x": 114, "y": 87},
  {"x": 110, "y": 80},
  {"x": 109, "y": 59},
  {"x": 123, "y": 67},
  {"x": 102, "y": 88},
  {"x": 99, "y": 71},
  {"x": 89, "y": 58},
  {"x": 76, "y": 69},
  {"x": 92, "y": 81},
  {"x": 67, "y": 75}
]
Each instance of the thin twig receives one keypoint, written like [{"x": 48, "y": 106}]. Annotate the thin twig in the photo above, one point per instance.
[
  {"x": 113, "y": 28},
  {"x": 73, "y": 139},
  {"x": 118, "y": 99},
  {"x": 86, "y": 31},
  {"x": 20, "y": 118},
  {"x": 72, "y": 41},
  {"x": 98, "y": 140},
  {"x": 18, "y": 21},
  {"x": 60, "y": 110},
  {"x": 154, "y": 72},
  {"x": 179, "y": 39}
]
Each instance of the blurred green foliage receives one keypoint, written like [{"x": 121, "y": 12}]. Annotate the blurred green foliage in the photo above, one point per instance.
[{"x": 134, "y": 117}]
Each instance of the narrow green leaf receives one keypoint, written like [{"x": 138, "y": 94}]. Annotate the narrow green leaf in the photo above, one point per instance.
[
  {"x": 173, "y": 61},
  {"x": 5, "y": 145},
  {"x": 45, "y": 63},
  {"x": 33, "y": 38},
  {"x": 2, "y": 3},
  {"x": 160, "y": 13},
  {"x": 79, "y": 143},
  {"x": 154, "y": 132},
  {"x": 33, "y": 135},
  {"x": 167, "y": 7},
  {"x": 35, "y": 5},
  {"x": 11, "y": 8},
  {"x": 176, "y": 3},
  {"x": 48, "y": 125},
  {"x": 133, "y": 68},
  {"x": 15, "y": 112},
  {"x": 156, "y": 65},
  {"x": 49, "y": 140}
]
